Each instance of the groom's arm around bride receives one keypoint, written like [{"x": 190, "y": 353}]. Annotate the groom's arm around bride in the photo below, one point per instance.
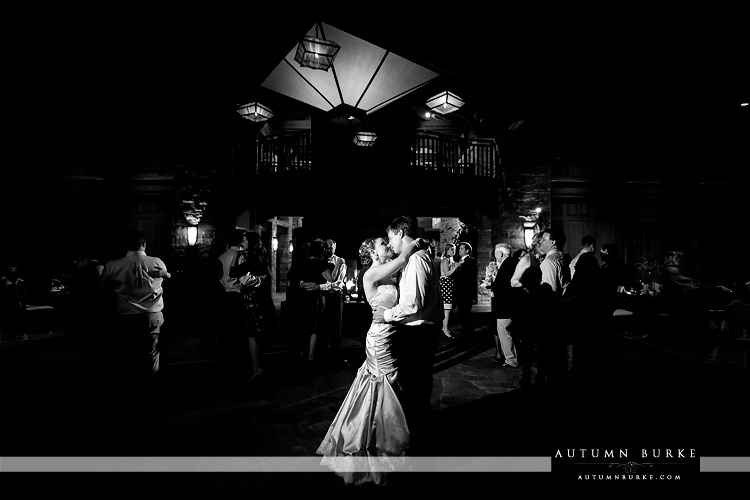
[{"x": 419, "y": 316}]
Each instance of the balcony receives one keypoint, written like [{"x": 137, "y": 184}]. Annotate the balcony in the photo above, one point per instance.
[
  {"x": 428, "y": 153},
  {"x": 290, "y": 152},
  {"x": 451, "y": 155}
]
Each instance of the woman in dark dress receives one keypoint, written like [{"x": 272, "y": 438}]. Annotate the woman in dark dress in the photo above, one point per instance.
[
  {"x": 311, "y": 300},
  {"x": 254, "y": 273},
  {"x": 588, "y": 305}
]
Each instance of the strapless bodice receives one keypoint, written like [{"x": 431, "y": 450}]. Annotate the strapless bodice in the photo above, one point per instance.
[
  {"x": 379, "y": 343},
  {"x": 386, "y": 296}
]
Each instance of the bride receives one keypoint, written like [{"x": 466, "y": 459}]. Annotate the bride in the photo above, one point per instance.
[{"x": 369, "y": 436}]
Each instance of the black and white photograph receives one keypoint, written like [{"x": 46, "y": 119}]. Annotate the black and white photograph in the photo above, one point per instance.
[{"x": 374, "y": 248}]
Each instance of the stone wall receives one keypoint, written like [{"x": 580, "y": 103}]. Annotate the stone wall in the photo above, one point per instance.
[
  {"x": 186, "y": 257},
  {"x": 524, "y": 190},
  {"x": 449, "y": 227}
]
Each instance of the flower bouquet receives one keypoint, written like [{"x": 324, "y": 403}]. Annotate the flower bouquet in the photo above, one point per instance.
[{"x": 489, "y": 275}]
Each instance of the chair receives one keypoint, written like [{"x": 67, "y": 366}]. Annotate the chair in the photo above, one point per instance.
[{"x": 623, "y": 322}]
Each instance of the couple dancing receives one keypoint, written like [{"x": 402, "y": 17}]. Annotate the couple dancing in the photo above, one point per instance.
[{"x": 385, "y": 415}]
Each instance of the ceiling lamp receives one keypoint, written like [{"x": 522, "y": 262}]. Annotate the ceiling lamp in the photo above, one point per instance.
[
  {"x": 444, "y": 103},
  {"x": 255, "y": 111},
  {"x": 316, "y": 52},
  {"x": 365, "y": 139}
]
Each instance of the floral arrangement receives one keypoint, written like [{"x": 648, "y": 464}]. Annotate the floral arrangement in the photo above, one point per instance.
[
  {"x": 647, "y": 270},
  {"x": 490, "y": 273}
]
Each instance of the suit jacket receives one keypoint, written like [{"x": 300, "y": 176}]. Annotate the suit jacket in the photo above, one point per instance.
[
  {"x": 503, "y": 296},
  {"x": 465, "y": 282}
]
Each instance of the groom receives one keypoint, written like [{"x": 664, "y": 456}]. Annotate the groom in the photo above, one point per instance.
[{"x": 419, "y": 316}]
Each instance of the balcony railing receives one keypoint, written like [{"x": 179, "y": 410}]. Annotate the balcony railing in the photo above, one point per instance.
[
  {"x": 430, "y": 152},
  {"x": 453, "y": 155},
  {"x": 284, "y": 152}
]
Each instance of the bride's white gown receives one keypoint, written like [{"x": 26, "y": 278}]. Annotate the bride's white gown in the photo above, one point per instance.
[{"x": 369, "y": 435}]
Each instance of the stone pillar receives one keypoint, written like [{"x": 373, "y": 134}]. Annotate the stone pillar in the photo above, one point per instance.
[{"x": 526, "y": 188}]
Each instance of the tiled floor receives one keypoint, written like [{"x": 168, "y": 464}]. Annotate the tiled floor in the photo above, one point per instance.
[{"x": 50, "y": 406}]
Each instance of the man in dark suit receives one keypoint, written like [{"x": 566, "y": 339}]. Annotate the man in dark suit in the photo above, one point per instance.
[
  {"x": 465, "y": 288},
  {"x": 503, "y": 307}
]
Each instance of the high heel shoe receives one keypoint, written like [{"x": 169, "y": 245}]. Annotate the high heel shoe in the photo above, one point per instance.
[
  {"x": 447, "y": 333},
  {"x": 255, "y": 375}
]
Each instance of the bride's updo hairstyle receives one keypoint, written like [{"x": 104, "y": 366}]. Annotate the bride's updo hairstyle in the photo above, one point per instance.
[{"x": 365, "y": 248}]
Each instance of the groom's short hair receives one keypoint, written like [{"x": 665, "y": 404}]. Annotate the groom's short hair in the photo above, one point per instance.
[{"x": 405, "y": 224}]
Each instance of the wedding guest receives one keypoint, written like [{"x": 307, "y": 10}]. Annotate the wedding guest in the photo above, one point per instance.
[
  {"x": 88, "y": 307},
  {"x": 614, "y": 272},
  {"x": 465, "y": 290},
  {"x": 553, "y": 354},
  {"x": 333, "y": 306},
  {"x": 589, "y": 312},
  {"x": 448, "y": 266},
  {"x": 680, "y": 296},
  {"x": 136, "y": 282},
  {"x": 526, "y": 281},
  {"x": 520, "y": 253},
  {"x": 588, "y": 245},
  {"x": 311, "y": 278},
  {"x": 503, "y": 304},
  {"x": 230, "y": 314},
  {"x": 253, "y": 271}
]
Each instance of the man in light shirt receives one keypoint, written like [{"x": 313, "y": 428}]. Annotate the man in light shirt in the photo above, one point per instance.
[
  {"x": 553, "y": 347},
  {"x": 230, "y": 315},
  {"x": 334, "y": 302},
  {"x": 136, "y": 284},
  {"x": 419, "y": 314}
]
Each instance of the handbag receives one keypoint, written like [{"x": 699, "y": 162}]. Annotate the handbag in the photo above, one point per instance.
[{"x": 249, "y": 281}]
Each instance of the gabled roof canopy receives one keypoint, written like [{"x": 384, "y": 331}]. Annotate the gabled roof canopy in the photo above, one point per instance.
[{"x": 363, "y": 75}]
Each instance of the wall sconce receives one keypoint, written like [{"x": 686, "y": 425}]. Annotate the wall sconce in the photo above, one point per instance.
[
  {"x": 444, "y": 102},
  {"x": 529, "y": 230},
  {"x": 255, "y": 112},
  {"x": 192, "y": 235},
  {"x": 275, "y": 244},
  {"x": 365, "y": 139},
  {"x": 316, "y": 52},
  {"x": 291, "y": 247}
]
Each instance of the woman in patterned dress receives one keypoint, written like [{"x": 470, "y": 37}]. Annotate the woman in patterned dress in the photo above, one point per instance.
[{"x": 448, "y": 266}]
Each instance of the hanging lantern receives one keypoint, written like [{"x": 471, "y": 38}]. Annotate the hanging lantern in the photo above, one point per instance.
[
  {"x": 255, "y": 112},
  {"x": 365, "y": 139},
  {"x": 316, "y": 52},
  {"x": 444, "y": 103}
]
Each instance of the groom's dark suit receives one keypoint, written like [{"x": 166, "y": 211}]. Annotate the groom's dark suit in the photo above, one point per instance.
[{"x": 419, "y": 314}]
